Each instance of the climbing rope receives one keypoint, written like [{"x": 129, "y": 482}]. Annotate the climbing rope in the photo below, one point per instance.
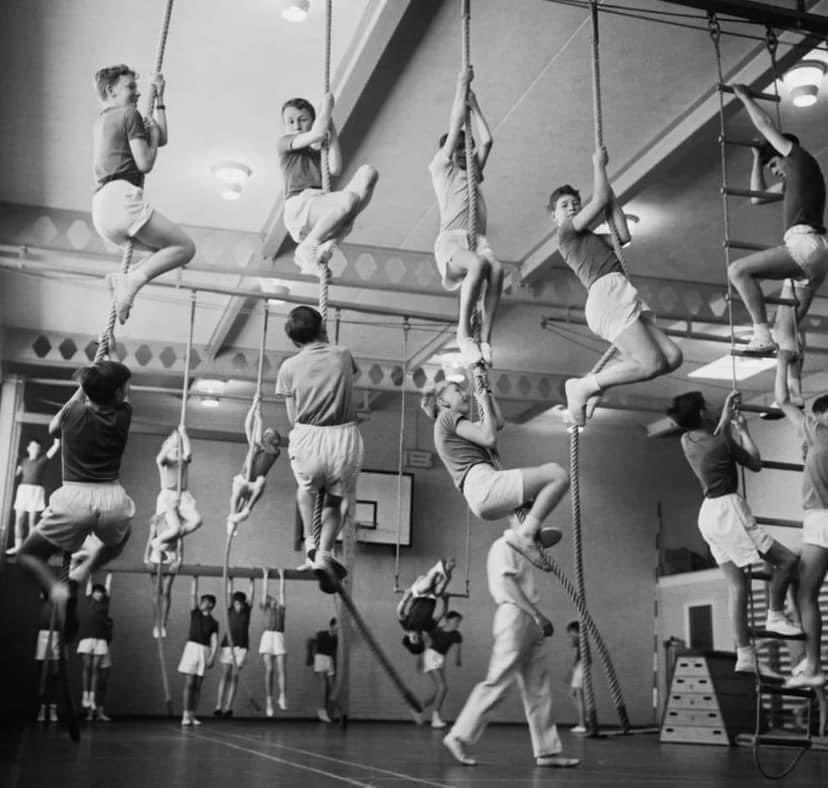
[
  {"x": 231, "y": 532},
  {"x": 401, "y": 452},
  {"x": 106, "y": 343}
]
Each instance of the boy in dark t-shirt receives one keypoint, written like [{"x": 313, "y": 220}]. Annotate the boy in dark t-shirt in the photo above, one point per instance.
[
  {"x": 30, "y": 499},
  {"x": 324, "y": 665},
  {"x": 93, "y": 426},
  {"x": 232, "y": 658},
  {"x": 439, "y": 641},
  {"x": 199, "y": 651},
  {"x": 727, "y": 525},
  {"x": 94, "y": 643}
]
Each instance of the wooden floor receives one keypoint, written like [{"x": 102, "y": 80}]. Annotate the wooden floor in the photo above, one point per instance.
[{"x": 240, "y": 754}]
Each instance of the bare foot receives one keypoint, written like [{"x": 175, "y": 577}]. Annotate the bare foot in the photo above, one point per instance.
[
  {"x": 576, "y": 400},
  {"x": 121, "y": 294}
]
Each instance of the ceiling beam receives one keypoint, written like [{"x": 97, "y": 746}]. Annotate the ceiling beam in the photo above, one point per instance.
[{"x": 762, "y": 13}]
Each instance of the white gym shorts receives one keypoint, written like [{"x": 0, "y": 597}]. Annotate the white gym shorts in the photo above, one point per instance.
[
  {"x": 226, "y": 656},
  {"x": 809, "y": 250},
  {"x": 612, "y": 306},
  {"x": 29, "y": 498},
  {"x": 728, "y": 527},
  {"x": 97, "y": 647},
  {"x": 322, "y": 663},
  {"x": 432, "y": 660},
  {"x": 815, "y": 528},
  {"x": 327, "y": 458},
  {"x": 119, "y": 211},
  {"x": 448, "y": 243},
  {"x": 272, "y": 642},
  {"x": 493, "y": 494},
  {"x": 194, "y": 659}
]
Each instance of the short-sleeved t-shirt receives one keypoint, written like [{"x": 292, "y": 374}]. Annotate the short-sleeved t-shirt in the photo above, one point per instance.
[
  {"x": 301, "y": 168},
  {"x": 504, "y": 561},
  {"x": 275, "y": 621},
  {"x": 112, "y": 156},
  {"x": 442, "y": 640},
  {"x": 94, "y": 623},
  {"x": 457, "y": 454},
  {"x": 202, "y": 627},
  {"x": 239, "y": 621},
  {"x": 93, "y": 440},
  {"x": 263, "y": 459},
  {"x": 804, "y": 201},
  {"x": 713, "y": 458},
  {"x": 326, "y": 643},
  {"x": 320, "y": 380},
  {"x": 815, "y": 475},
  {"x": 32, "y": 470},
  {"x": 586, "y": 253},
  {"x": 450, "y": 187}
]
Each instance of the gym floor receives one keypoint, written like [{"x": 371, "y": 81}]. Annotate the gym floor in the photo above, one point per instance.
[{"x": 144, "y": 753}]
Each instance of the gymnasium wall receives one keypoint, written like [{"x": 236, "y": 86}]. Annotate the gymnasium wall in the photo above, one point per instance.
[{"x": 623, "y": 477}]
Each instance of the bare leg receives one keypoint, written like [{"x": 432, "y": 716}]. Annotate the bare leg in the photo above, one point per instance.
[
  {"x": 813, "y": 565},
  {"x": 86, "y": 674},
  {"x": 331, "y": 520},
  {"x": 187, "y": 695},
  {"x": 280, "y": 670},
  {"x": 544, "y": 485},
  {"x": 224, "y": 680},
  {"x": 738, "y": 595},
  {"x": 784, "y": 567},
  {"x": 442, "y": 689},
  {"x": 577, "y": 697},
  {"x": 746, "y": 273},
  {"x": 232, "y": 687},
  {"x": 97, "y": 557},
  {"x": 491, "y": 300},
  {"x": 171, "y": 527},
  {"x": 305, "y": 500},
  {"x": 19, "y": 529},
  {"x": 195, "y": 692},
  {"x": 93, "y": 679},
  {"x": 477, "y": 270},
  {"x": 268, "y": 678}
]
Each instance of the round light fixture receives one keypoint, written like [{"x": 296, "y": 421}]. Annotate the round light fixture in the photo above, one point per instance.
[
  {"x": 231, "y": 191},
  {"x": 803, "y": 81},
  {"x": 209, "y": 402},
  {"x": 295, "y": 10},
  {"x": 232, "y": 175}
]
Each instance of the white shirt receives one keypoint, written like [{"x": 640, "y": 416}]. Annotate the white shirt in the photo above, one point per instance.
[{"x": 504, "y": 561}]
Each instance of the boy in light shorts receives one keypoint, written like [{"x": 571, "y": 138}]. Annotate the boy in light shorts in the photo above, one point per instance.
[
  {"x": 234, "y": 650},
  {"x": 472, "y": 271},
  {"x": 272, "y": 643},
  {"x": 317, "y": 220},
  {"x": 93, "y": 427},
  {"x": 325, "y": 645},
  {"x": 804, "y": 252},
  {"x": 30, "y": 498},
  {"x": 714, "y": 452},
  {"x": 468, "y": 449},
  {"x": 199, "y": 652},
  {"x": 438, "y": 643},
  {"x": 614, "y": 310},
  {"x": 576, "y": 676},
  {"x": 325, "y": 444},
  {"x": 93, "y": 645},
  {"x": 813, "y": 560},
  {"x": 125, "y": 147},
  {"x": 175, "y": 516},
  {"x": 43, "y": 651}
]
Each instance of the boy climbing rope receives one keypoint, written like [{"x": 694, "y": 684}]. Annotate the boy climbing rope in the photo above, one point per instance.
[
  {"x": 125, "y": 147},
  {"x": 476, "y": 272}
]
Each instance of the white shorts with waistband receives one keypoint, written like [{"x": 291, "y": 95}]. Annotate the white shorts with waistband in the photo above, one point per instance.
[
  {"x": 43, "y": 645},
  {"x": 493, "y": 494},
  {"x": 577, "y": 681},
  {"x": 29, "y": 498},
  {"x": 322, "y": 663},
  {"x": 119, "y": 210},
  {"x": 612, "y": 306},
  {"x": 194, "y": 659},
  {"x": 272, "y": 642},
  {"x": 432, "y": 660},
  {"x": 226, "y": 656},
  {"x": 809, "y": 250},
  {"x": 97, "y": 647},
  {"x": 448, "y": 243},
  {"x": 728, "y": 527},
  {"x": 815, "y": 528},
  {"x": 78, "y": 509},
  {"x": 297, "y": 213},
  {"x": 327, "y": 458}
]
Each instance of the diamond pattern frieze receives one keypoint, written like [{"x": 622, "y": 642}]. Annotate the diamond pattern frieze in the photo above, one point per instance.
[
  {"x": 365, "y": 266},
  {"x": 143, "y": 355},
  {"x": 67, "y": 349},
  {"x": 397, "y": 375},
  {"x": 504, "y": 385},
  {"x": 239, "y": 362},
  {"x": 79, "y": 234},
  {"x": 43, "y": 230},
  {"x": 419, "y": 377},
  {"x": 90, "y": 349},
  {"x": 524, "y": 385},
  {"x": 41, "y": 346},
  {"x": 395, "y": 269},
  {"x": 375, "y": 374},
  {"x": 168, "y": 357}
]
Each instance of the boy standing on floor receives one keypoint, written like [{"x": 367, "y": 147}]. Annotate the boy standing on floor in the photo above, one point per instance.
[
  {"x": 576, "y": 676},
  {"x": 43, "y": 652},
  {"x": 439, "y": 641},
  {"x": 233, "y": 658},
  {"x": 93, "y": 426},
  {"x": 314, "y": 219},
  {"x": 325, "y": 444},
  {"x": 199, "y": 651},
  {"x": 519, "y": 630},
  {"x": 324, "y": 665},
  {"x": 30, "y": 498},
  {"x": 272, "y": 644},
  {"x": 93, "y": 643}
]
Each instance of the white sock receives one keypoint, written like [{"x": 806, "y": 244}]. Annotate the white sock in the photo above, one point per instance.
[
  {"x": 761, "y": 330},
  {"x": 591, "y": 381},
  {"x": 744, "y": 652},
  {"x": 531, "y": 524},
  {"x": 775, "y": 615}
]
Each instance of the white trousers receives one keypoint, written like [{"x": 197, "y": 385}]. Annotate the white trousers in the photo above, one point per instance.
[{"x": 517, "y": 654}]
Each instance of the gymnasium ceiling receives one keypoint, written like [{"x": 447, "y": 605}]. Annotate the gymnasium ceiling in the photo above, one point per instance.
[{"x": 229, "y": 66}]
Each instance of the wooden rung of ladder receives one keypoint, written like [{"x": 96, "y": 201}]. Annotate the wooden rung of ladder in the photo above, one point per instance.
[
  {"x": 747, "y": 245},
  {"x": 754, "y": 94},
  {"x": 769, "y": 299},
  {"x": 760, "y": 633},
  {"x": 799, "y": 742},
  {"x": 778, "y": 688},
  {"x": 783, "y": 466},
  {"x": 760, "y": 195},
  {"x": 741, "y": 353},
  {"x": 761, "y": 574},
  {"x": 739, "y": 142},
  {"x": 780, "y": 521},
  {"x": 747, "y": 407}
]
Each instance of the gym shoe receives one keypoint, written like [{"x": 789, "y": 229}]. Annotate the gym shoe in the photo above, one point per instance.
[
  {"x": 745, "y": 664},
  {"x": 305, "y": 565},
  {"x": 156, "y": 633},
  {"x": 458, "y": 750},
  {"x": 760, "y": 344},
  {"x": 101, "y": 715},
  {"x": 329, "y": 572},
  {"x": 436, "y": 722},
  {"x": 561, "y": 761},
  {"x": 323, "y": 715},
  {"x": 306, "y": 255},
  {"x": 41, "y": 715},
  {"x": 186, "y": 720},
  {"x": 13, "y": 550},
  {"x": 803, "y": 680},
  {"x": 782, "y": 625},
  {"x": 270, "y": 712},
  {"x": 228, "y": 713},
  {"x": 579, "y": 729},
  {"x": 217, "y": 712},
  {"x": 195, "y": 721},
  {"x": 53, "y": 715},
  {"x": 283, "y": 702}
]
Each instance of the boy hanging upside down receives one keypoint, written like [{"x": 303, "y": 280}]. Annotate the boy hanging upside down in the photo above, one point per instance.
[
  {"x": 614, "y": 310},
  {"x": 317, "y": 220}
]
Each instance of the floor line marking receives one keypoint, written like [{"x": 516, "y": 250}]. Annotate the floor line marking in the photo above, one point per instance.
[
  {"x": 270, "y": 757},
  {"x": 313, "y": 754}
]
